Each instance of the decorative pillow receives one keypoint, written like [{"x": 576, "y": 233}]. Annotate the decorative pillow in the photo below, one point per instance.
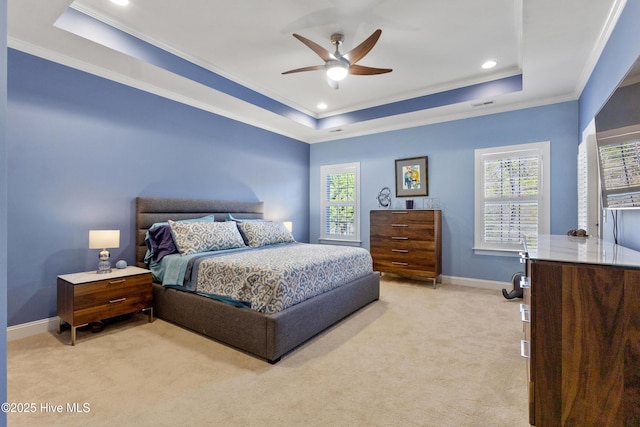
[
  {"x": 264, "y": 233},
  {"x": 160, "y": 240},
  {"x": 193, "y": 237}
]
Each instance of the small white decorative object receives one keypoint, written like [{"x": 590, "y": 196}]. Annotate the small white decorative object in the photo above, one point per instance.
[
  {"x": 121, "y": 264},
  {"x": 384, "y": 198},
  {"x": 431, "y": 203}
]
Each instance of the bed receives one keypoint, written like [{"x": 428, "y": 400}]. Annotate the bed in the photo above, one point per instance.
[{"x": 267, "y": 335}]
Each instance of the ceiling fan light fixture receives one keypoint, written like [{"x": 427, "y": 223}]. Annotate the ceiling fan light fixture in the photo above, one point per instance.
[{"x": 337, "y": 70}]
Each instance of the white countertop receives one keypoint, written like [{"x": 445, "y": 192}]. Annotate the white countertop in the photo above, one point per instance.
[
  {"x": 93, "y": 276},
  {"x": 586, "y": 250}
]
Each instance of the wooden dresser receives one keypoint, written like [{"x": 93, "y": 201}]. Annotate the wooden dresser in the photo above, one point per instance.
[
  {"x": 581, "y": 314},
  {"x": 407, "y": 242}
]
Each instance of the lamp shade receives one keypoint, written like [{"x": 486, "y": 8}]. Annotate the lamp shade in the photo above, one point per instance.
[
  {"x": 103, "y": 239},
  {"x": 288, "y": 225}
]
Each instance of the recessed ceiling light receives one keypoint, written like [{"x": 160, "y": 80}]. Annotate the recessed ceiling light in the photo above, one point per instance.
[
  {"x": 489, "y": 64},
  {"x": 322, "y": 106},
  {"x": 120, "y": 2}
]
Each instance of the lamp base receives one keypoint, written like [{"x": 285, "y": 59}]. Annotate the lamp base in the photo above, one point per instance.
[{"x": 104, "y": 267}]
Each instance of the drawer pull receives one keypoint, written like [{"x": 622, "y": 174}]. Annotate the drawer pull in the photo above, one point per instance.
[
  {"x": 400, "y": 238},
  {"x": 524, "y": 313},
  {"x": 399, "y": 212},
  {"x": 399, "y": 225},
  {"x": 113, "y": 301},
  {"x": 524, "y": 349},
  {"x": 113, "y": 282},
  {"x": 402, "y": 251},
  {"x": 399, "y": 263},
  {"x": 525, "y": 282}
]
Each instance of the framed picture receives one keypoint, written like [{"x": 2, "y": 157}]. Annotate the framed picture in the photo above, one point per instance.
[{"x": 412, "y": 177}]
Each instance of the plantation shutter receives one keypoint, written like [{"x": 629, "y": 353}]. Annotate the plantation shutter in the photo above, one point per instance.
[
  {"x": 511, "y": 197},
  {"x": 588, "y": 188},
  {"x": 583, "y": 187},
  {"x": 619, "y": 156},
  {"x": 340, "y": 201},
  {"x": 511, "y": 193}
]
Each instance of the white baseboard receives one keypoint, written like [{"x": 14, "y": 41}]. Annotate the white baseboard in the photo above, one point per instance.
[
  {"x": 477, "y": 283},
  {"x": 32, "y": 328}
]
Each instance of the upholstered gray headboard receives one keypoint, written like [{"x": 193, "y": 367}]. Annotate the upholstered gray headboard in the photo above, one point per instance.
[{"x": 150, "y": 210}]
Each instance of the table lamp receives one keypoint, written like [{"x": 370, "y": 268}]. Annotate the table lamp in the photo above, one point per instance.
[{"x": 103, "y": 239}]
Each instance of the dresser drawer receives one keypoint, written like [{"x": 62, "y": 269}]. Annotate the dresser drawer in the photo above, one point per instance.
[
  {"x": 416, "y": 217},
  {"x": 399, "y": 243},
  {"x": 399, "y": 258},
  {"x": 414, "y": 231},
  {"x": 405, "y": 267}
]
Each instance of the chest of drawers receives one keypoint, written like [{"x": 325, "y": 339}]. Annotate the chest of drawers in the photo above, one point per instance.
[{"x": 407, "y": 242}]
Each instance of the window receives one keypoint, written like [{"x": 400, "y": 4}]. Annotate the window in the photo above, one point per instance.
[
  {"x": 619, "y": 155},
  {"x": 511, "y": 196},
  {"x": 340, "y": 204}
]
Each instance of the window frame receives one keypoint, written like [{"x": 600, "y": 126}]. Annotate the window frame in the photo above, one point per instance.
[
  {"x": 541, "y": 149},
  {"x": 332, "y": 169}
]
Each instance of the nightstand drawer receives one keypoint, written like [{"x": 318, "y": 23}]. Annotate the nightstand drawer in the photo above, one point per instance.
[
  {"x": 126, "y": 303},
  {"x": 100, "y": 293}
]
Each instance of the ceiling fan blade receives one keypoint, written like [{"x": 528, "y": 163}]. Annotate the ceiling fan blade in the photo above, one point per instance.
[
  {"x": 310, "y": 68},
  {"x": 358, "y": 52},
  {"x": 360, "y": 70},
  {"x": 322, "y": 52}
]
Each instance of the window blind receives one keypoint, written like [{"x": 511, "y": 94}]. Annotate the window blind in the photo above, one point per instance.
[
  {"x": 511, "y": 190},
  {"x": 340, "y": 206},
  {"x": 340, "y": 201},
  {"x": 619, "y": 157}
]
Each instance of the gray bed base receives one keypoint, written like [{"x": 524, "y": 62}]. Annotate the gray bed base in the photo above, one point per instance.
[{"x": 268, "y": 336}]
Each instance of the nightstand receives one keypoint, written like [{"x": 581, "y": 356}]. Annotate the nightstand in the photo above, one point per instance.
[{"x": 92, "y": 297}]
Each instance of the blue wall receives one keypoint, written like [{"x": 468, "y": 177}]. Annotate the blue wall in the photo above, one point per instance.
[
  {"x": 621, "y": 51},
  {"x": 450, "y": 147},
  {"x": 3, "y": 207},
  {"x": 81, "y": 148}
]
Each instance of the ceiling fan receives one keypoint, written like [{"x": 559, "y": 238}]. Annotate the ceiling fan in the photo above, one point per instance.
[{"x": 337, "y": 65}]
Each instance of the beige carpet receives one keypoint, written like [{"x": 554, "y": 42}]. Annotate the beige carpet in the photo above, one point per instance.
[{"x": 417, "y": 357}]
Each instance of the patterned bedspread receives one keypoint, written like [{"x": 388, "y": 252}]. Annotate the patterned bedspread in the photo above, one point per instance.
[{"x": 275, "y": 277}]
